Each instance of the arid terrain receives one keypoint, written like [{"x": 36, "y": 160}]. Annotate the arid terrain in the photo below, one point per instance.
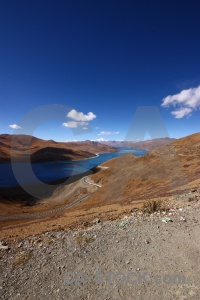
[
  {"x": 137, "y": 256},
  {"x": 165, "y": 171},
  {"x": 126, "y": 183},
  {"x": 147, "y": 145},
  {"x": 19, "y": 147},
  {"x": 136, "y": 235}
]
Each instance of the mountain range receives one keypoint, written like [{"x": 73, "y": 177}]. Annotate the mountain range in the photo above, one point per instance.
[
  {"x": 21, "y": 147},
  {"x": 163, "y": 172},
  {"x": 146, "y": 145}
]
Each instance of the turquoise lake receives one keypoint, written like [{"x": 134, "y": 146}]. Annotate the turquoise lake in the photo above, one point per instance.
[{"x": 50, "y": 171}]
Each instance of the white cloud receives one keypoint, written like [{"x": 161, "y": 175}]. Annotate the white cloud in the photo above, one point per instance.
[
  {"x": 185, "y": 102},
  {"x": 14, "y": 126},
  {"x": 182, "y": 112},
  {"x": 108, "y": 132},
  {"x": 79, "y": 119},
  {"x": 79, "y": 116},
  {"x": 73, "y": 124}
]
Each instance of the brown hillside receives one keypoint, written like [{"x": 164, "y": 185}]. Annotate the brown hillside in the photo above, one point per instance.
[
  {"x": 126, "y": 182},
  {"x": 147, "y": 145},
  {"x": 19, "y": 146},
  {"x": 163, "y": 172}
]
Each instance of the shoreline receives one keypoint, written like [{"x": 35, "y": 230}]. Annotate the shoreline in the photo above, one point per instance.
[
  {"x": 96, "y": 155},
  {"x": 59, "y": 180},
  {"x": 49, "y": 161},
  {"x": 55, "y": 161},
  {"x": 55, "y": 181},
  {"x": 16, "y": 194}
]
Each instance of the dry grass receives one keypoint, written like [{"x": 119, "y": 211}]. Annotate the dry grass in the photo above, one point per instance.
[
  {"x": 153, "y": 206},
  {"x": 22, "y": 259},
  {"x": 84, "y": 239}
]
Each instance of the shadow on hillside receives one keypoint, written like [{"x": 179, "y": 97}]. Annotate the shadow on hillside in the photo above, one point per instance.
[{"x": 17, "y": 194}]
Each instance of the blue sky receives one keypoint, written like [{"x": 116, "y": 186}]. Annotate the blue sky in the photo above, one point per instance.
[{"x": 103, "y": 57}]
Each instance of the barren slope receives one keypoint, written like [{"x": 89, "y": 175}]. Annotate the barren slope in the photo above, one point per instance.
[
  {"x": 147, "y": 145},
  {"x": 126, "y": 183},
  {"x": 163, "y": 172},
  {"x": 145, "y": 245},
  {"x": 20, "y": 146}
]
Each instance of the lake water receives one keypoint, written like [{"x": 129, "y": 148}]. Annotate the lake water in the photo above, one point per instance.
[{"x": 49, "y": 171}]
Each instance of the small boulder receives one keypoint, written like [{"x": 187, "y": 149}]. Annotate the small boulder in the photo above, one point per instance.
[
  {"x": 96, "y": 221},
  {"x": 4, "y": 247}
]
